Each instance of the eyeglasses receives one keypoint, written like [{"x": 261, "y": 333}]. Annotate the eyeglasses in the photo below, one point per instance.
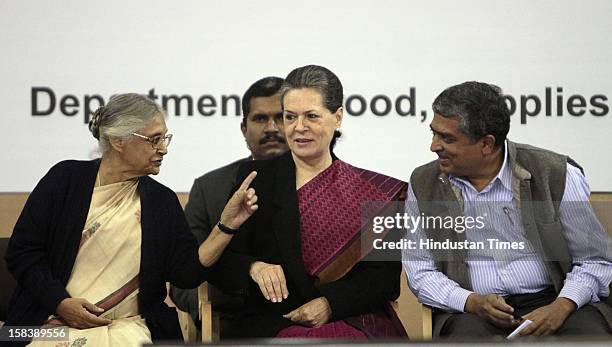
[{"x": 156, "y": 141}]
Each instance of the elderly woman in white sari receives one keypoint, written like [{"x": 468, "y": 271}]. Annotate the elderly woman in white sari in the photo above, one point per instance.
[{"x": 97, "y": 240}]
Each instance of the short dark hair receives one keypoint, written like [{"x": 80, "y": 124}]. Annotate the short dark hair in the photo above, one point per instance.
[
  {"x": 321, "y": 79},
  {"x": 266, "y": 86},
  {"x": 480, "y": 107}
]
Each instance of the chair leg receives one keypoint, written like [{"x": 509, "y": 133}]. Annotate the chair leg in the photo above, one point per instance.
[
  {"x": 427, "y": 323},
  {"x": 188, "y": 328},
  {"x": 207, "y": 322},
  {"x": 216, "y": 326}
]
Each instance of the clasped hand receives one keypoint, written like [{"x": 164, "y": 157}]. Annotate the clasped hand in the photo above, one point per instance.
[
  {"x": 546, "y": 320},
  {"x": 313, "y": 314},
  {"x": 492, "y": 308},
  {"x": 81, "y": 314},
  {"x": 271, "y": 281}
]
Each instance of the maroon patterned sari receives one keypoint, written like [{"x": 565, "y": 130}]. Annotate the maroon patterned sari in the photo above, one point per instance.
[{"x": 330, "y": 220}]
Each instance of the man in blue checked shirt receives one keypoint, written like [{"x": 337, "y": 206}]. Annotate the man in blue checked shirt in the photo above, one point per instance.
[{"x": 541, "y": 255}]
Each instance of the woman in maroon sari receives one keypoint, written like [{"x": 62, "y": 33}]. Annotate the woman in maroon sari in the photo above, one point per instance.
[{"x": 299, "y": 258}]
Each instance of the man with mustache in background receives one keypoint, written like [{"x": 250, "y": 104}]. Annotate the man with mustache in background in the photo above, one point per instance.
[{"x": 262, "y": 128}]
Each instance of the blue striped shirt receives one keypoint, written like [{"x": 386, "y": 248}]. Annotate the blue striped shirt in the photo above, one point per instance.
[{"x": 524, "y": 271}]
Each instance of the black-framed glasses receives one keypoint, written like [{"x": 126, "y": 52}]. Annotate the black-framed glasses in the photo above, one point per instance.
[{"x": 156, "y": 141}]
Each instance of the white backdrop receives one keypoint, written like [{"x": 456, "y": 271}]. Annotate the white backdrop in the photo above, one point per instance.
[{"x": 375, "y": 47}]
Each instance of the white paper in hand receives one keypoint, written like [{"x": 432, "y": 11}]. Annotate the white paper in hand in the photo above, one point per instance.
[{"x": 520, "y": 328}]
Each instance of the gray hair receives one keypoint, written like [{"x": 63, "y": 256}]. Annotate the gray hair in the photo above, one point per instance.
[
  {"x": 480, "y": 107},
  {"x": 121, "y": 116}
]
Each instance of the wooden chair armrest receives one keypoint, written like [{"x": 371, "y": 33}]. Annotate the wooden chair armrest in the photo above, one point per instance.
[{"x": 416, "y": 318}]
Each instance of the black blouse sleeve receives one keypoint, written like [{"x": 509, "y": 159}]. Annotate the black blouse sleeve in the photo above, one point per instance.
[
  {"x": 184, "y": 268},
  {"x": 363, "y": 289}
]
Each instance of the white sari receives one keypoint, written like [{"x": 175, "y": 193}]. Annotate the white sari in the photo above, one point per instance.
[{"x": 106, "y": 270}]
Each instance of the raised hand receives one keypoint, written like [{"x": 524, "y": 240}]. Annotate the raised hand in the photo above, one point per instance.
[
  {"x": 237, "y": 210},
  {"x": 241, "y": 205}
]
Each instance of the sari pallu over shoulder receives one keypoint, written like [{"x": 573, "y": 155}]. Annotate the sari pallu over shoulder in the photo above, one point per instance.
[{"x": 336, "y": 210}]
